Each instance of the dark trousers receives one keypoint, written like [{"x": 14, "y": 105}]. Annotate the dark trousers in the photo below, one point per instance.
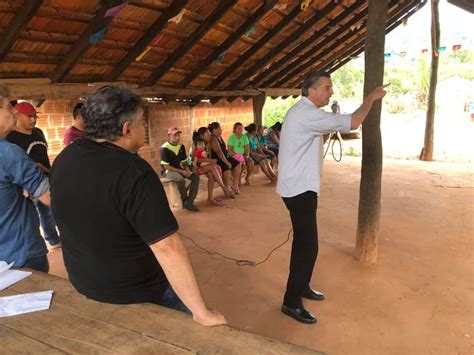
[{"x": 304, "y": 250}]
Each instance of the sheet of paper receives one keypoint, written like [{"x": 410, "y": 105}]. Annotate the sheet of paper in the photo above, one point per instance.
[
  {"x": 25, "y": 303},
  {"x": 5, "y": 266},
  {"x": 9, "y": 277}
]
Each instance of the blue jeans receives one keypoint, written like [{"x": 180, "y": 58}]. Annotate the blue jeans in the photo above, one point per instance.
[
  {"x": 47, "y": 222},
  {"x": 171, "y": 300},
  {"x": 40, "y": 263}
]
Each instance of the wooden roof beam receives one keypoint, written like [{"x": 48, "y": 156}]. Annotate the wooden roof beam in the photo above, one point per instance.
[
  {"x": 146, "y": 39},
  {"x": 204, "y": 64},
  {"x": 179, "y": 52},
  {"x": 70, "y": 91},
  {"x": 303, "y": 69},
  {"x": 354, "y": 51},
  {"x": 308, "y": 42},
  {"x": 17, "y": 25},
  {"x": 320, "y": 15},
  {"x": 285, "y": 73},
  {"x": 78, "y": 49},
  {"x": 252, "y": 50}
]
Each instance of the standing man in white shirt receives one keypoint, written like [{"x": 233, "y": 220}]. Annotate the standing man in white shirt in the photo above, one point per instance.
[{"x": 299, "y": 179}]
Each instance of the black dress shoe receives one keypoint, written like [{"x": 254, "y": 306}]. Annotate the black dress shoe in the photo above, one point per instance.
[
  {"x": 313, "y": 295},
  {"x": 299, "y": 314}
]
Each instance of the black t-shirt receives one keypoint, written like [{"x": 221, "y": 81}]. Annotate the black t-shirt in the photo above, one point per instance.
[
  {"x": 109, "y": 205},
  {"x": 33, "y": 144}
]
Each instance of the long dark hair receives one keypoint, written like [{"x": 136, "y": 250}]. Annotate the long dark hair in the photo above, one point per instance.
[
  {"x": 199, "y": 134},
  {"x": 251, "y": 128},
  {"x": 212, "y": 126},
  {"x": 276, "y": 126}
]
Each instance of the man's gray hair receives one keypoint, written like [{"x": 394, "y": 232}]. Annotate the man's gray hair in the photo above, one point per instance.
[
  {"x": 107, "y": 109},
  {"x": 311, "y": 79}
]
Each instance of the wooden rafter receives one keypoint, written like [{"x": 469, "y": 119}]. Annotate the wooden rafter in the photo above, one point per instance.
[
  {"x": 23, "y": 15},
  {"x": 146, "y": 39},
  {"x": 296, "y": 66},
  {"x": 178, "y": 53},
  {"x": 252, "y": 50},
  {"x": 306, "y": 43},
  {"x": 320, "y": 15},
  {"x": 78, "y": 49},
  {"x": 204, "y": 64},
  {"x": 355, "y": 50},
  {"x": 304, "y": 68}
]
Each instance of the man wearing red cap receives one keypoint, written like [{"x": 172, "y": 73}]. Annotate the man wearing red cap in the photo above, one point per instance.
[
  {"x": 174, "y": 161},
  {"x": 31, "y": 139},
  {"x": 20, "y": 238}
]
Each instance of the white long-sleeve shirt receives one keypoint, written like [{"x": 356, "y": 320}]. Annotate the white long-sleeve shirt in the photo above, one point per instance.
[{"x": 300, "y": 158}]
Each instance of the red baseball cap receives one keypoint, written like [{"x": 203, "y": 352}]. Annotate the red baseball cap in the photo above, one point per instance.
[
  {"x": 26, "y": 109},
  {"x": 174, "y": 130}
]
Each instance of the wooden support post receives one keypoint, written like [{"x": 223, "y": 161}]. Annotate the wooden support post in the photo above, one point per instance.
[
  {"x": 372, "y": 155},
  {"x": 258, "y": 103},
  {"x": 427, "y": 151}
]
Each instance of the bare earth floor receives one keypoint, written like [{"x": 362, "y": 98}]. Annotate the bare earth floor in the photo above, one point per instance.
[{"x": 419, "y": 297}]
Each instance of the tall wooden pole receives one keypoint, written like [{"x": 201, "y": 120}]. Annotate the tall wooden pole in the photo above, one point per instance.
[
  {"x": 258, "y": 103},
  {"x": 427, "y": 151},
  {"x": 372, "y": 153}
]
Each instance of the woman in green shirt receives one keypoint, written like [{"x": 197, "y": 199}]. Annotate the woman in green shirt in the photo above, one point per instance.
[{"x": 238, "y": 147}]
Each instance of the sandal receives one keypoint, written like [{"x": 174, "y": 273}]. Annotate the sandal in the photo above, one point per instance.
[
  {"x": 236, "y": 190},
  {"x": 230, "y": 193},
  {"x": 216, "y": 203}
]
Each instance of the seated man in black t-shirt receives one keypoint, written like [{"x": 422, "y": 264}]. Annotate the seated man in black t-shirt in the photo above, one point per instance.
[
  {"x": 118, "y": 233},
  {"x": 174, "y": 161}
]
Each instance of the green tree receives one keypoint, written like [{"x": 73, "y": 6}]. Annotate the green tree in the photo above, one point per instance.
[{"x": 275, "y": 110}]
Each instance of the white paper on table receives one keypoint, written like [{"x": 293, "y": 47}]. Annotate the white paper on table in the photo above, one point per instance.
[
  {"x": 9, "y": 277},
  {"x": 25, "y": 303}
]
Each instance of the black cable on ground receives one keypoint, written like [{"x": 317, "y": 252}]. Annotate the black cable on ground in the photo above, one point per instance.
[
  {"x": 239, "y": 262},
  {"x": 333, "y": 138}
]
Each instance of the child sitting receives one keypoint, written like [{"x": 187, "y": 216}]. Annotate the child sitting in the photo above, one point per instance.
[{"x": 204, "y": 166}]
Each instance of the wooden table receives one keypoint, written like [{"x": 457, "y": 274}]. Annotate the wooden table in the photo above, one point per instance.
[{"x": 75, "y": 324}]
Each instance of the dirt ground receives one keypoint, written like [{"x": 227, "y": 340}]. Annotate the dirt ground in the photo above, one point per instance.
[{"x": 418, "y": 298}]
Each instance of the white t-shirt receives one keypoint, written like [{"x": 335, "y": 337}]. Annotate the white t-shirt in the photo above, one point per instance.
[{"x": 300, "y": 158}]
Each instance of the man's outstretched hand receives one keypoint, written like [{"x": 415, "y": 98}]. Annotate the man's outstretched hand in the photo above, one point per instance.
[{"x": 378, "y": 93}]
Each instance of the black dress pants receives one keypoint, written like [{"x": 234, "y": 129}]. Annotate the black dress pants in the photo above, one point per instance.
[{"x": 304, "y": 250}]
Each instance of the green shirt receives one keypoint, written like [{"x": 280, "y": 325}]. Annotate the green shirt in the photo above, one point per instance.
[{"x": 238, "y": 144}]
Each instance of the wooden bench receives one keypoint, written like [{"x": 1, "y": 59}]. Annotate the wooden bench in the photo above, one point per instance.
[
  {"x": 174, "y": 197},
  {"x": 75, "y": 324}
]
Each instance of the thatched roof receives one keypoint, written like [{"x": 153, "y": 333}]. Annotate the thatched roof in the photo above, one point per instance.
[{"x": 184, "y": 44}]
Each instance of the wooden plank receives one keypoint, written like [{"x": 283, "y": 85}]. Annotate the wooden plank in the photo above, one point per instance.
[
  {"x": 17, "y": 25},
  {"x": 73, "y": 331},
  {"x": 154, "y": 322},
  {"x": 197, "y": 35},
  {"x": 78, "y": 49},
  {"x": 317, "y": 35},
  {"x": 146, "y": 39},
  {"x": 73, "y": 91},
  {"x": 260, "y": 63},
  {"x": 204, "y": 64},
  {"x": 15, "y": 342}
]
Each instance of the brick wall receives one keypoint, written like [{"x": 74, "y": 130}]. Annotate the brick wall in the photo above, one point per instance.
[{"x": 56, "y": 115}]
